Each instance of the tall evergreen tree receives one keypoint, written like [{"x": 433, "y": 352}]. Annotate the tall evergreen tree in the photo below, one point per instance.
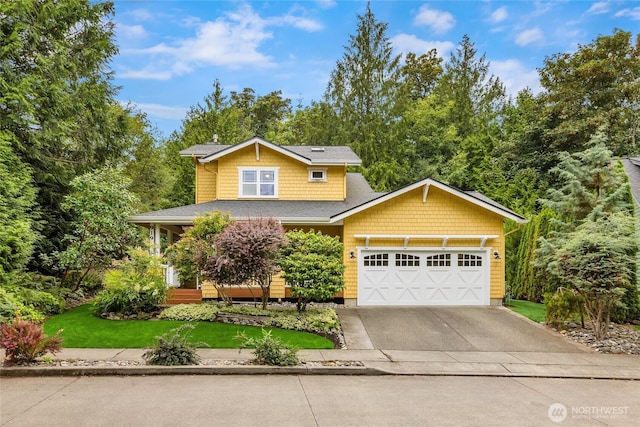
[
  {"x": 214, "y": 116},
  {"x": 367, "y": 94},
  {"x": 148, "y": 170},
  {"x": 56, "y": 98},
  {"x": 477, "y": 98},
  {"x": 310, "y": 125},
  {"x": 594, "y": 193},
  {"x": 17, "y": 198}
]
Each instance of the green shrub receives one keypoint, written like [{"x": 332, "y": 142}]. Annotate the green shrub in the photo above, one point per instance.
[
  {"x": 136, "y": 285},
  {"x": 12, "y": 307},
  {"x": 312, "y": 266},
  {"x": 191, "y": 312},
  {"x": 319, "y": 320},
  {"x": 29, "y": 296},
  {"x": 269, "y": 350},
  {"x": 174, "y": 348},
  {"x": 562, "y": 305},
  {"x": 24, "y": 341}
]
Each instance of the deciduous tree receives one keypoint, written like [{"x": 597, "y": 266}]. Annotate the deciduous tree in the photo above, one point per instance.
[
  {"x": 595, "y": 87},
  {"x": 101, "y": 203},
  {"x": 197, "y": 244},
  {"x": 246, "y": 253}
]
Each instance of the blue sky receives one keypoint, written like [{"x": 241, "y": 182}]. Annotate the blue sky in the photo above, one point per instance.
[{"x": 171, "y": 52}]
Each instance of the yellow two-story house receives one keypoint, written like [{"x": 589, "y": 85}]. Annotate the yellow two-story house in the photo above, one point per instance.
[{"x": 424, "y": 244}]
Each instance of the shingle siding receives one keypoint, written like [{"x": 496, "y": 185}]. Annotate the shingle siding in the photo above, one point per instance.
[{"x": 443, "y": 213}]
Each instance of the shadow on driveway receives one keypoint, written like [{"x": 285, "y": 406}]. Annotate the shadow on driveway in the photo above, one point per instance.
[{"x": 457, "y": 329}]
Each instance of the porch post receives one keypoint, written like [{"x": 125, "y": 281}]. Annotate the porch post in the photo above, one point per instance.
[
  {"x": 152, "y": 238},
  {"x": 156, "y": 243}
]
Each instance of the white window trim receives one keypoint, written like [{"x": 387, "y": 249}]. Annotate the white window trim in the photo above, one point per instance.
[
  {"x": 258, "y": 171},
  {"x": 324, "y": 174}
]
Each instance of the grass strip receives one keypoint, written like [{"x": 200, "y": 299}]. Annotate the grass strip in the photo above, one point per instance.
[
  {"x": 531, "y": 310},
  {"x": 81, "y": 329}
]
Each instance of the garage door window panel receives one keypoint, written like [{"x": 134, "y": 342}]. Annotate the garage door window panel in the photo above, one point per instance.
[
  {"x": 469, "y": 260},
  {"x": 438, "y": 260},
  {"x": 376, "y": 260},
  {"x": 407, "y": 260}
]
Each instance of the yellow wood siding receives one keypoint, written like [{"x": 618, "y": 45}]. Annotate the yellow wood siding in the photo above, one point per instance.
[
  {"x": 443, "y": 213},
  {"x": 206, "y": 181},
  {"x": 293, "y": 176},
  {"x": 277, "y": 288}
]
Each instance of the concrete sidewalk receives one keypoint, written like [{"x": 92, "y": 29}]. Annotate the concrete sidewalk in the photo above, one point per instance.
[{"x": 370, "y": 362}]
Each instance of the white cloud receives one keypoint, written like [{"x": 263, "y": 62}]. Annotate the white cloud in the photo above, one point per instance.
[
  {"x": 141, "y": 15},
  {"x": 326, "y": 4},
  {"x": 529, "y": 36},
  {"x": 498, "y": 15},
  {"x": 300, "y": 23},
  {"x": 631, "y": 13},
  {"x": 599, "y": 8},
  {"x": 439, "y": 21},
  {"x": 144, "y": 74},
  {"x": 405, "y": 43},
  {"x": 161, "y": 111},
  {"x": 130, "y": 31},
  {"x": 515, "y": 76},
  {"x": 232, "y": 40},
  {"x": 541, "y": 7}
]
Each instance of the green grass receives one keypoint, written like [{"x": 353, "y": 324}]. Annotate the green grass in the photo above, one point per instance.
[
  {"x": 83, "y": 330},
  {"x": 531, "y": 310}
]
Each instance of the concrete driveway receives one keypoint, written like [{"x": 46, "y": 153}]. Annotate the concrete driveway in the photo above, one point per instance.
[{"x": 449, "y": 329}]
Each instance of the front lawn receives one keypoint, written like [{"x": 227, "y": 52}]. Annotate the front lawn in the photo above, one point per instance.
[
  {"x": 531, "y": 310},
  {"x": 83, "y": 330}
]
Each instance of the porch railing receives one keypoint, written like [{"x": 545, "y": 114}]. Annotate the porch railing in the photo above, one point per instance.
[{"x": 170, "y": 276}]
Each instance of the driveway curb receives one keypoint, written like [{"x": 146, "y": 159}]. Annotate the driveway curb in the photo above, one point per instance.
[
  {"x": 393, "y": 369},
  {"x": 75, "y": 371}
]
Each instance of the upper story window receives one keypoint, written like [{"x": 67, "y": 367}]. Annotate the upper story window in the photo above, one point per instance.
[
  {"x": 317, "y": 175},
  {"x": 258, "y": 182}
]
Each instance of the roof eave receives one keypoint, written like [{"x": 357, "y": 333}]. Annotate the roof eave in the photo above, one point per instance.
[
  {"x": 187, "y": 220},
  {"x": 505, "y": 214},
  {"x": 247, "y": 143}
]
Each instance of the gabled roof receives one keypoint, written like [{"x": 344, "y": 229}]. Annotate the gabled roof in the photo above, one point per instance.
[
  {"x": 470, "y": 196},
  {"x": 310, "y": 155}
]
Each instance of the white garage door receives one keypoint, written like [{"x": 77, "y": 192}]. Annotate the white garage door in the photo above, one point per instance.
[{"x": 387, "y": 277}]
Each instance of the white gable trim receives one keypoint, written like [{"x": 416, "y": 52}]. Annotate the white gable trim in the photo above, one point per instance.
[
  {"x": 427, "y": 183},
  {"x": 482, "y": 238},
  {"x": 257, "y": 141}
]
